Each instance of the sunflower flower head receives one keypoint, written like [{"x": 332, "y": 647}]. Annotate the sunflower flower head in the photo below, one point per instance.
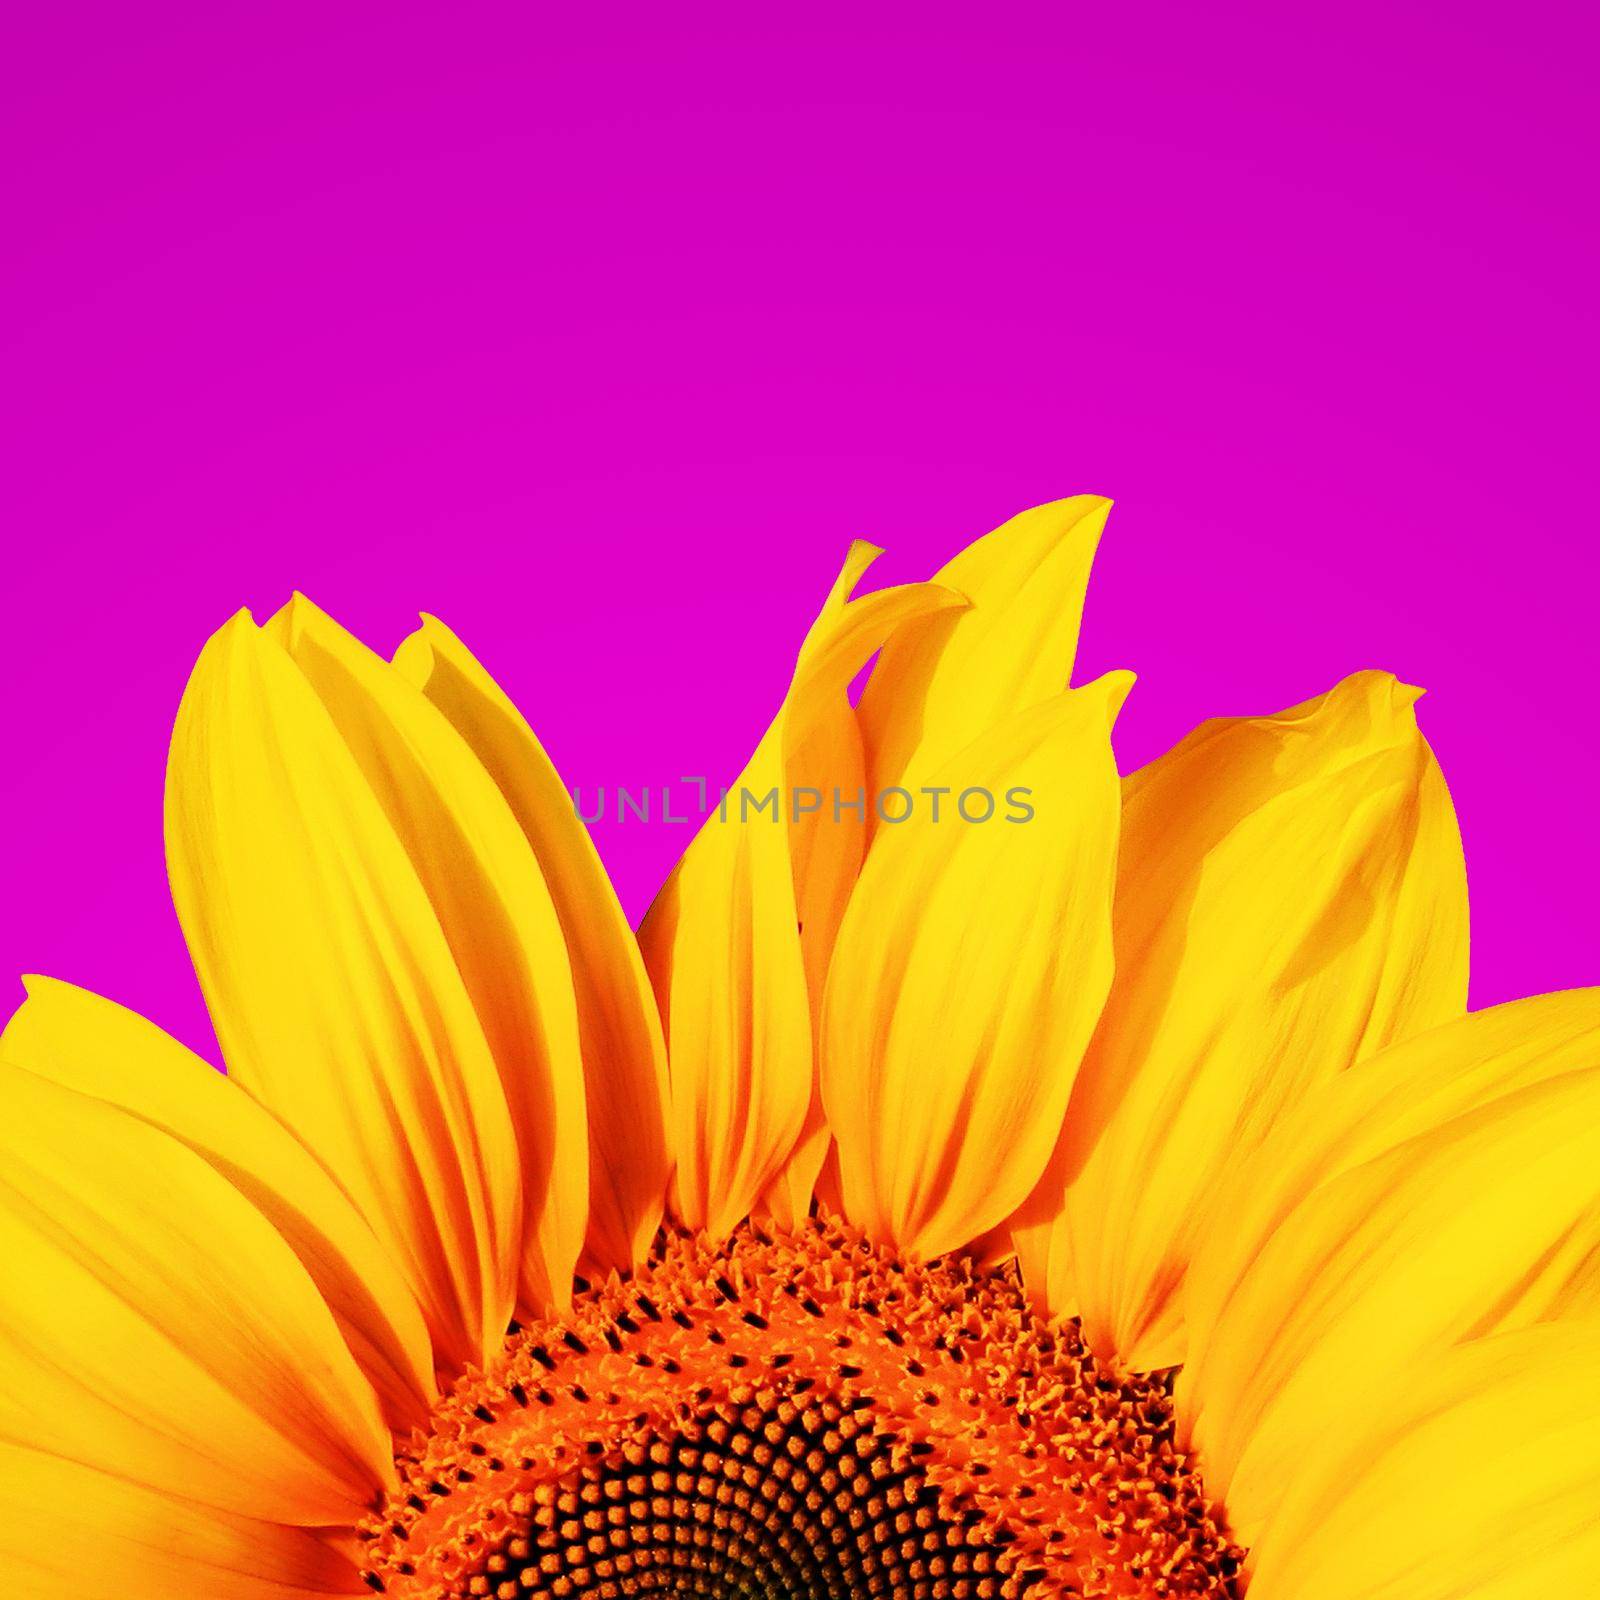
[{"x": 999, "y": 1178}]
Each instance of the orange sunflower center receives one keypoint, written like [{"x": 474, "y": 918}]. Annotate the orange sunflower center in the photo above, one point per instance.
[{"x": 799, "y": 1415}]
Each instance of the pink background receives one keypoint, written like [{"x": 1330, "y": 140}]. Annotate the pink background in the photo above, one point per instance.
[{"x": 600, "y": 334}]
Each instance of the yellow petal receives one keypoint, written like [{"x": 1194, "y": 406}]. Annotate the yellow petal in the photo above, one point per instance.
[
  {"x": 1391, "y": 1097},
  {"x": 967, "y": 977},
  {"x": 939, "y": 686},
  {"x": 72, "y": 1531},
  {"x": 1290, "y": 898},
  {"x": 153, "y": 1324},
  {"x": 827, "y": 842},
  {"x": 723, "y": 945},
  {"x": 1475, "y": 1476},
  {"x": 624, "y": 1059},
  {"x": 1043, "y": 1242},
  {"x": 1490, "y": 1222},
  {"x": 69, "y": 1530},
  {"x": 334, "y": 989},
  {"x": 494, "y": 907},
  {"x": 89, "y": 1044}
]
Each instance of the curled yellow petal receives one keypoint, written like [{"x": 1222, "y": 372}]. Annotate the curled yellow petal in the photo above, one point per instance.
[
  {"x": 1487, "y": 1223},
  {"x": 155, "y": 1326},
  {"x": 70, "y": 1530},
  {"x": 335, "y": 991},
  {"x": 624, "y": 1059},
  {"x": 940, "y": 685},
  {"x": 828, "y": 828},
  {"x": 968, "y": 974},
  {"x": 1474, "y": 1475},
  {"x": 1290, "y": 898},
  {"x": 89, "y": 1044},
  {"x": 940, "y": 681},
  {"x": 823, "y": 758},
  {"x": 724, "y": 944}
]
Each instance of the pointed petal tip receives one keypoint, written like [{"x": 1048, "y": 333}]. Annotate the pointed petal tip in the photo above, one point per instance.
[
  {"x": 1073, "y": 516},
  {"x": 237, "y": 640},
  {"x": 1090, "y": 511},
  {"x": 35, "y": 985},
  {"x": 1391, "y": 704},
  {"x": 1381, "y": 687},
  {"x": 1368, "y": 706},
  {"x": 1085, "y": 501},
  {"x": 1114, "y": 687},
  {"x": 943, "y": 597},
  {"x": 413, "y": 657},
  {"x": 241, "y": 619},
  {"x": 857, "y": 559},
  {"x": 1110, "y": 689},
  {"x": 298, "y": 613}
]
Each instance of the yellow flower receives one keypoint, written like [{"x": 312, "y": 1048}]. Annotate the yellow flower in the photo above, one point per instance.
[{"x": 1096, "y": 1187}]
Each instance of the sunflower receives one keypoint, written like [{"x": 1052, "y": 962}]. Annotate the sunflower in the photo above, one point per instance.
[{"x": 1101, "y": 1192}]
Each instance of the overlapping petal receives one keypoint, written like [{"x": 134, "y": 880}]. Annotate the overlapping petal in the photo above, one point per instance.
[
  {"x": 940, "y": 682},
  {"x": 316, "y": 804},
  {"x": 488, "y": 893},
  {"x": 155, "y": 1326},
  {"x": 939, "y": 686},
  {"x": 1407, "y": 1090},
  {"x": 624, "y": 1058},
  {"x": 724, "y": 944},
  {"x": 828, "y": 826},
  {"x": 89, "y": 1044},
  {"x": 1278, "y": 1152},
  {"x": 1291, "y": 898},
  {"x": 1474, "y": 1476},
  {"x": 70, "y": 1530},
  {"x": 968, "y": 974},
  {"x": 1488, "y": 1222}
]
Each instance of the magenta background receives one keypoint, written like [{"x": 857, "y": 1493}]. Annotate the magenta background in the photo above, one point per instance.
[{"x": 600, "y": 334}]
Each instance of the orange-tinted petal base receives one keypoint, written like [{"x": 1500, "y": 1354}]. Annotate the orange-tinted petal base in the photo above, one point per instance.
[{"x": 803, "y": 1414}]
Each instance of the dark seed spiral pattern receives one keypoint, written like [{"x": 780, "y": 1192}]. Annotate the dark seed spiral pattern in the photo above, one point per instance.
[{"x": 778, "y": 1417}]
